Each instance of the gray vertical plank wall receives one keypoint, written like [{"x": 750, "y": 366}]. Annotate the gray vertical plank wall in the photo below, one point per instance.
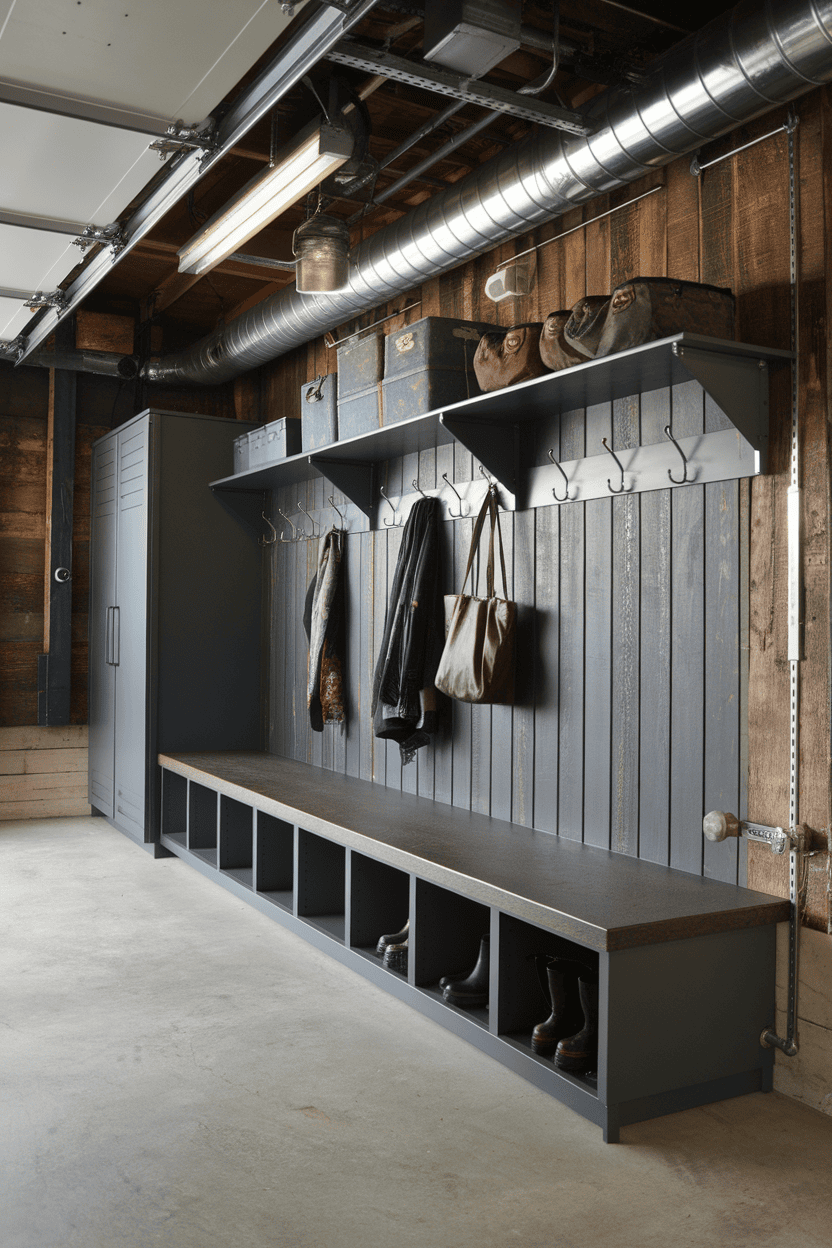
[{"x": 627, "y": 724}]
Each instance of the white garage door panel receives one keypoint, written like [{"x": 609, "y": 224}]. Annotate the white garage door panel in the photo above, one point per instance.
[
  {"x": 13, "y": 316},
  {"x": 27, "y": 255},
  {"x": 169, "y": 58},
  {"x": 57, "y": 166}
]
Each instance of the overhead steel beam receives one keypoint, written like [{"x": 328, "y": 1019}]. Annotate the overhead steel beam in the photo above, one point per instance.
[
  {"x": 81, "y": 110},
  {"x": 320, "y": 30},
  {"x": 26, "y": 221},
  {"x": 11, "y": 292},
  {"x": 471, "y": 90}
]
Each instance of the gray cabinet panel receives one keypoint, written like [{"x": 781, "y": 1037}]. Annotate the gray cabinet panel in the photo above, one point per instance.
[
  {"x": 131, "y": 629},
  {"x": 175, "y": 610},
  {"x": 102, "y": 602}
]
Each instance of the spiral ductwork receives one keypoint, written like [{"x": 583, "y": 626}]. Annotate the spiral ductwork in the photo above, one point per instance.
[{"x": 740, "y": 65}]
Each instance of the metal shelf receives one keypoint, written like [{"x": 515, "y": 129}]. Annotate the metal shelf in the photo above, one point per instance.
[{"x": 491, "y": 426}]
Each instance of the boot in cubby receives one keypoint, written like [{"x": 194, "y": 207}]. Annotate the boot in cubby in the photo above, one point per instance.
[
  {"x": 560, "y": 986},
  {"x": 578, "y": 1054}
]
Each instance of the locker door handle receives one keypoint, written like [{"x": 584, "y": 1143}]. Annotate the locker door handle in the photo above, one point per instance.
[
  {"x": 108, "y": 633},
  {"x": 116, "y": 636}
]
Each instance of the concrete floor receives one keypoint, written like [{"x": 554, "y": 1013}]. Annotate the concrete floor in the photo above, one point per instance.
[{"x": 177, "y": 1069}]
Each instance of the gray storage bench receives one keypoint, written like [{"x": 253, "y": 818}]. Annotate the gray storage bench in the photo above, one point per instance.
[{"x": 686, "y": 964}]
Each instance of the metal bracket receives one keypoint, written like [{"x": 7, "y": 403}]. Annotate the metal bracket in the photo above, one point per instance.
[
  {"x": 14, "y": 348},
  {"x": 57, "y": 299},
  {"x": 179, "y": 137},
  {"x": 108, "y": 235},
  {"x": 443, "y": 82},
  {"x": 354, "y": 480},
  {"x": 739, "y": 387}
]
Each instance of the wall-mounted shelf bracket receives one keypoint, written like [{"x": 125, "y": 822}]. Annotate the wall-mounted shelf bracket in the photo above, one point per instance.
[
  {"x": 355, "y": 479},
  {"x": 247, "y": 506},
  {"x": 739, "y": 387},
  {"x": 494, "y": 445}
]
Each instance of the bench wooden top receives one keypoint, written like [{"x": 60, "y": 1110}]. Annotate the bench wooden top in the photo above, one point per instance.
[{"x": 604, "y": 900}]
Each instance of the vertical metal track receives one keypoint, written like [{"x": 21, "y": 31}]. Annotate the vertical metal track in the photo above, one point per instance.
[{"x": 789, "y": 1046}]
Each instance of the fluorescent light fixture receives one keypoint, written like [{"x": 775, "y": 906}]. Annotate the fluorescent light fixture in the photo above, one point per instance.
[{"x": 312, "y": 155}]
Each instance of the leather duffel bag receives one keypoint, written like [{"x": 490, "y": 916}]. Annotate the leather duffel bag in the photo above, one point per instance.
[
  {"x": 582, "y": 332},
  {"x": 555, "y": 351},
  {"x": 506, "y": 357},
  {"x": 647, "y": 308}
]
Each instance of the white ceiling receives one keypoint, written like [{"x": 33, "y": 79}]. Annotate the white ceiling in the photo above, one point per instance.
[{"x": 153, "y": 59}]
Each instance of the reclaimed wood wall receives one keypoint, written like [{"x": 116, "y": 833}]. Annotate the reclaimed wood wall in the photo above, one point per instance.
[{"x": 654, "y": 655}]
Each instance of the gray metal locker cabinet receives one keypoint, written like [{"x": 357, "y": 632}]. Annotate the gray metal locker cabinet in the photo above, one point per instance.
[{"x": 175, "y": 601}]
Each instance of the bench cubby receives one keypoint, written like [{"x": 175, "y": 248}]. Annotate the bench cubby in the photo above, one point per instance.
[
  {"x": 275, "y": 860},
  {"x": 685, "y": 964},
  {"x": 321, "y": 884},
  {"x": 236, "y": 845},
  {"x": 379, "y": 903},
  {"x": 202, "y": 822},
  {"x": 175, "y": 806}
]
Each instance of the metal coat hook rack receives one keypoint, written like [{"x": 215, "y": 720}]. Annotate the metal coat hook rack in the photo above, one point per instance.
[
  {"x": 567, "y": 498},
  {"x": 686, "y": 480},
  {"x": 394, "y": 523},
  {"x": 287, "y": 541},
  {"x": 313, "y": 536},
  {"x": 621, "y": 488},
  {"x": 342, "y": 520},
  {"x": 462, "y": 504},
  {"x": 269, "y": 541}
]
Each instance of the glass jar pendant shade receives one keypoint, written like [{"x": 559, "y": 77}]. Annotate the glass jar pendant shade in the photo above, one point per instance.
[{"x": 321, "y": 246}]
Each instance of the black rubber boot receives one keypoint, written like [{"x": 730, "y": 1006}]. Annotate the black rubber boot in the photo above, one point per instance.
[
  {"x": 579, "y": 1053},
  {"x": 562, "y": 992},
  {"x": 456, "y": 978},
  {"x": 473, "y": 990},
  {"x": 397, "y": 938},
  {"x": 395, "y": 957}
]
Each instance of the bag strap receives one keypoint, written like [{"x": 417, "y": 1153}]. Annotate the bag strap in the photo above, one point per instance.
[
  {"x": 475, "y": 538},
  {"x": 489, "y": 508},
  {"x": 495, "y": 523}
]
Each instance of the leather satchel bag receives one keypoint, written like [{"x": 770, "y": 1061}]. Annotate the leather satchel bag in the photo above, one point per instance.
[
  {"x": 507, "y": 356},
  {"x": 477, "y": 664},
  {"x": 555, "y": 351},
  {"x": 648, "y": 308},
  {"x": 583, "y": 330}
]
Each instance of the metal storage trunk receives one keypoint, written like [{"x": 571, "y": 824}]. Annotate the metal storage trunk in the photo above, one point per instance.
[
  {"x": 273, "y": 442},
  {"x": 359, "y": 386},
  {"x": 430, "y": 365},
  {"x": 318, "y": 412}
]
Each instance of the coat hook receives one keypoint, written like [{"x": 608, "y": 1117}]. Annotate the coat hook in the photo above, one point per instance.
[
  {"x": 454, "y": 515},
  {"x": 686, "y": 480},
  {"x": 610, "y": 486},
  {"x": 269, "y": 541},
  {"x": 489, "y": 479},
  {"x": 313, "y": 535},
  {"x": 567, "y": 498},
  {"x": 287, "y": 541},
  {"x": 337, "y": 512},
  {"x": 394, "y": 523},
  {"x": 417, "y": 487}
]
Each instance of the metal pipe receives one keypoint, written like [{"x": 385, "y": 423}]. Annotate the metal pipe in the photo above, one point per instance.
[
  {"x": 738, "y": 67},
  {"x": 104, "y": 363},
  {"x": 434, "y": 158},
  {"x": 427, "y": 127}
]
